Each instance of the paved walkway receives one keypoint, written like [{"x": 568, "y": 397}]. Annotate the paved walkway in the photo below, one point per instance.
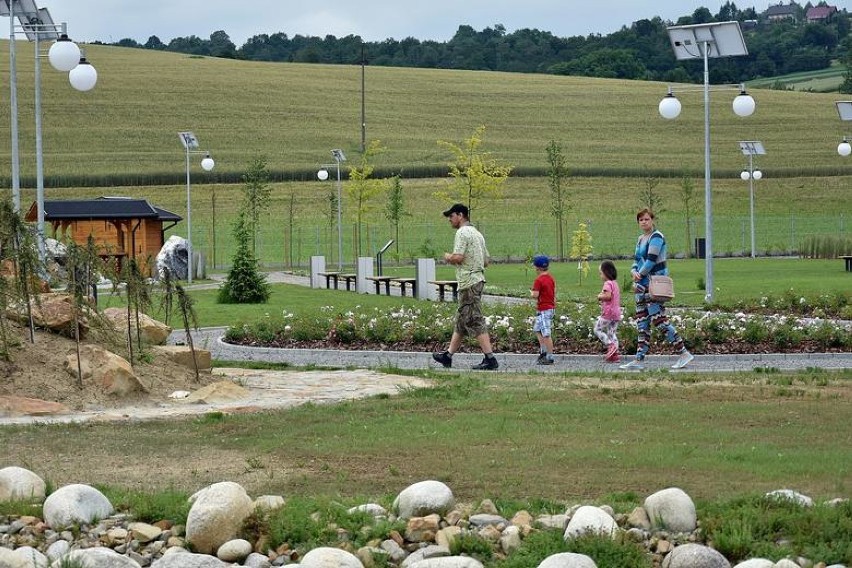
[{"x": 210, "y": 338}]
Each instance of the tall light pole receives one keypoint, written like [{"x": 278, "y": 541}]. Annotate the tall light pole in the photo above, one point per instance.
[
  {"x": 322, "y": 175},
  {"x": 190, "y": 144},
  {"x": 751, "y": 148},
  {"x": 705, "y": 41},
  {"x": 64, "y": 55},
  {"x": 844, "y": 109}
]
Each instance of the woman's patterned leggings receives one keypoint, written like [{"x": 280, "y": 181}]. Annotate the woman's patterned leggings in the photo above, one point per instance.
[{"x": 648, "y": 312}]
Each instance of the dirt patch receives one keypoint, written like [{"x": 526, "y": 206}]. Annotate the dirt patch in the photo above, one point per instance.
[{"x": 36, "y": 370}]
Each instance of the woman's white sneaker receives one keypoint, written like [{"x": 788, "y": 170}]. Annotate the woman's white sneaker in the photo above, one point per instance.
[
  {"x": 685, "y": 358},
  {"x": 634, "y": 365}
]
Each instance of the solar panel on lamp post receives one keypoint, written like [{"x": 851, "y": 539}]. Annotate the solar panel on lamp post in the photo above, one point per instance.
[
  {"x": 190, "y": 144},
  {"x": 64, "y": 55},
  {"x": 322, "y": 175},
  {"x": 706, "y": 41}
]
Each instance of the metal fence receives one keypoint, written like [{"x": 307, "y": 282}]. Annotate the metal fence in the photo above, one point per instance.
[{"x": 282, "y": 246}]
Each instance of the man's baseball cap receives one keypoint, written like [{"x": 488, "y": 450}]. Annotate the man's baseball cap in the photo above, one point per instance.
[
  {"x": 541, "y": 261},
  {"x": 457, "y": 208}
]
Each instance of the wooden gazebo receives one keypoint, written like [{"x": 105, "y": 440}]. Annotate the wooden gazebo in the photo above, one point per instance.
[{"x": 123, "y": 227}]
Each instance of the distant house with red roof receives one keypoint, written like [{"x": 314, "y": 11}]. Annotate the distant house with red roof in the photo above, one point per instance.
[{"x": 819, "y": 14}]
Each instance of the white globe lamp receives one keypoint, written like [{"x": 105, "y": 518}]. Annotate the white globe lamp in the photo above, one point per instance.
[
  {"x": 669, "y": 107},
  {"x": 64, "y": 54},
  {"x": 744, "y": 175},
  {"x": 743, "y": 104},
  {"x": 84, "y": 76},
  {"x": 322, "y": 175},
  {"x": 844, "y": 148},
  {"x": 207, "y": 163},
  {"x": 757, "y": 174}
]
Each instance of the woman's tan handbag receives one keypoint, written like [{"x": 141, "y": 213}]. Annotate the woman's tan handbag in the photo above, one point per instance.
[{"x": 661, "y": 289}]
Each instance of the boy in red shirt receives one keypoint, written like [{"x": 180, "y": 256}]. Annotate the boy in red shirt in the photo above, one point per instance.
[{"x": 544, "y": 291}]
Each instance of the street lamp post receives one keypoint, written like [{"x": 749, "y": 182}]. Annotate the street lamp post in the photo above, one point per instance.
[
  {"x": 844, "y": 109},
  {"x": 64, "y": 55},
  {"x": 322, "y": 175},
  {"x": 705, "y": 41},
  {"x": 190, "y": 144},
  {"x": 751, "y": 148}
]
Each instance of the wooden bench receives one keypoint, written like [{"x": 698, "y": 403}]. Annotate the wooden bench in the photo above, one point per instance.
[
  {"x": 379, "y": 280},
  {"x": 329, "y": 278},
  {"x": 444, "y": 284},
  {"x": 848, "y": 260},
  {"x": 404, "y": 282}
]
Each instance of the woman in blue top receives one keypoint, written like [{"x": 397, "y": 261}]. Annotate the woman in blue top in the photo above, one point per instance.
[{"x": 650, "y": 259}]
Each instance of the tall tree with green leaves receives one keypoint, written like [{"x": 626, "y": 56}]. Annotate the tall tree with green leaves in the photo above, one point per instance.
[
  {"x": 557, "y": 173},
  {"x": 846, "y": 61},
  {"x": 256, "y": 195},
  {"x": 475, "y": 176},
  {"x": 362, "y": 189}
]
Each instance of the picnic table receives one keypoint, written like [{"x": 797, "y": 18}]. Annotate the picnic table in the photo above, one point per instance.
[
  {"x": 453, "y": 285},
  {"x": 336, "y": 277},
  {"x": 379, "y": 280},
  {"x": 404, "y": 282},
  {"x": 848, "y": 260}
]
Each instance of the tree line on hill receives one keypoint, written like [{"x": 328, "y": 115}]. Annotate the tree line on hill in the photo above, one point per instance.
[{"x": 640, "y": 51}]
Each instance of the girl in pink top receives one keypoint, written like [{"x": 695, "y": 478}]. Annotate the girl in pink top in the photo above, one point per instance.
[{"x": 606, "y": 328}]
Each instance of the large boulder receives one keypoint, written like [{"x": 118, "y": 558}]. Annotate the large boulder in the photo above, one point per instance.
[
  {"x": 790, "y": 496},
  {"x": 217, "y": 515},
  {"x": 695, "y": 556},
  {"x": 182, "y": 355},
  {"x": 567, "y": 560},
  {"x": 327, "y": 557},
  {"x": 17, "y": 483},
  {"x": 53, "y": 311},
  {"x": 76, "y": 503},
  {"x": 423, "y": 498},
  {"x": 109, "y": 371},
  {"x": 671, "y": 509},
  {"x": 756, "y": 563},
  {"x": 151, "y": 331},
  {"x": 590, "y": 520},
  {"x": 9, "y": 559},
  {"x": 99, "y": 557},
  {"x": 448, "y": 562},
  {"x": 173, "y": 257}
]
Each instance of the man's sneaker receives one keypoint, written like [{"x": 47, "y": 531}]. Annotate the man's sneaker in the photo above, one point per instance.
[
  {"x": 545, "y": 360},
  {"x": 683, "y": 360},
  {"x": 634, "y": 365},
  {"x": 488, "y": 364},
  {"x": 444, "y": 358},
  {"x": 541, "y": 357}
]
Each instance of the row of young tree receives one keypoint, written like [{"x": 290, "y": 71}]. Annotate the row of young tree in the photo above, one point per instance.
[{"x": 639, "y": 51}]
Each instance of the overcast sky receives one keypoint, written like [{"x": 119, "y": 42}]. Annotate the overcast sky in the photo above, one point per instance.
[{"x": 373, "y": 20}]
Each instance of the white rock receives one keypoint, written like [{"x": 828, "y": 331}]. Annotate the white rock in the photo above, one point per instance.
[
  {"x": 553, "y": 521},
  {"x": 790, "y": 495},
  {"x": 423, "y": 498},
  {"x": 785, "y": 563},
  {"x": 234, "y": 550},
  {"x": 8, "y": 559},
  {"x": 448, "y": 562},
  {"x": 17, "y": 483},
  {"x": 179, "y": 394},
  {"x": 372, "y": 509},
  {"x": 269, "y": 502},
  {"x": 187, "y": 560},
  {"x": 32, "y": 557},
  {"x": 58, "y": 549},
  {"x": 256, "y": 560},
  {"x": 695, "y": 556},
  {"x": 95, "y": 558},
  {"x": 567, "y": 560},
  {"x": 756, "y": 563},
  {"x": 327, "y": 557},
  {"x": 421, "y": 554},
  {"x": 75, "y": 503},
  {"x": 588, "y": 519},
  {"x": 672, "y": 509},
  {"x": 216, "y": 515}
]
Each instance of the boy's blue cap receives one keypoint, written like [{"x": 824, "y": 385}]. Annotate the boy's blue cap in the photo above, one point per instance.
[{"x": 541, "y": 261}]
